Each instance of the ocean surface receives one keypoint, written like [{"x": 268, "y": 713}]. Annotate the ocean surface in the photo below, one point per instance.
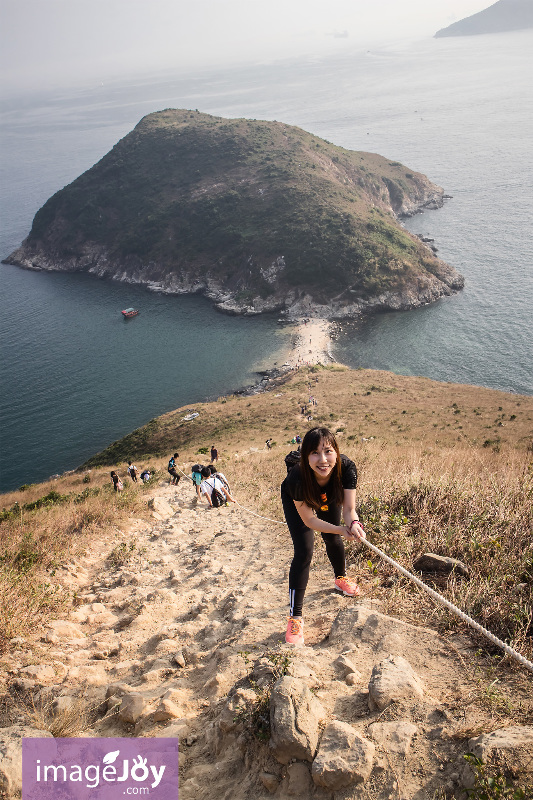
[{"x": 76, "y": 376}]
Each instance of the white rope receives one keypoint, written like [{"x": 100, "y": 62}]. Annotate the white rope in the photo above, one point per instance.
[
  {"x": 259, "y": 515},
  {"x": 435, "y": 595},
  {"x": 450, "y": 606},
  {"x": 185, "y": 476}
]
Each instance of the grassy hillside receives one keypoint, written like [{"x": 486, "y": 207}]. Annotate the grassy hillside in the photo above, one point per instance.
[
  {"x": 186, "y": 194},
  {"x": 442, "y": 468}
]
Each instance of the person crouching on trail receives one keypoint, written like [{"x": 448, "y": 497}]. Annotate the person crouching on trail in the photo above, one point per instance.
[
  {"x": 314, "y": 494},
  {"x": 214, "y": 490}
]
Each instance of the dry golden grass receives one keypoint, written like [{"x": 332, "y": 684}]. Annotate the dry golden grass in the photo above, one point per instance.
[
  {"x": 442, "y": 467},
  {"x": 35, "y": 542}
]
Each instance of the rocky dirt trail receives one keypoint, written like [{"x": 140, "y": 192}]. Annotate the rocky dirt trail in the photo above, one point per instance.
[{"x": 181, "y": 634}]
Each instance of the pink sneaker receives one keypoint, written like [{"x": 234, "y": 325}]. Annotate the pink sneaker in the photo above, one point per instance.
[
  {"x": 349, "y": 588},
  {"x": 295, "y": 631}
]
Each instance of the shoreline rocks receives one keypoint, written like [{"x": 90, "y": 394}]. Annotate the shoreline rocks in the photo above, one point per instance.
[{"x": 292, "y": 304}]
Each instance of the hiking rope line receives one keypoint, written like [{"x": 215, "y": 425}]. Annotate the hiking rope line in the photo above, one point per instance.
[
  {"x": 450, "y": 606},
  {"x": 432, "y": 593}
]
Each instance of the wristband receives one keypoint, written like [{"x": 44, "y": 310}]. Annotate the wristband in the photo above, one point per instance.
[{"x": 358, "y": 521}]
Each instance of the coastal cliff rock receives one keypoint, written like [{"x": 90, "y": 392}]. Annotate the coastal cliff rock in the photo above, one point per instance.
[
  {"x": 257, "y": 216},
  {"x": 505, "y": 15}
]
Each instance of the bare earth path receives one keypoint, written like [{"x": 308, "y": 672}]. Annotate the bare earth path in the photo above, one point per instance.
[{"x": 165, "y": 643}]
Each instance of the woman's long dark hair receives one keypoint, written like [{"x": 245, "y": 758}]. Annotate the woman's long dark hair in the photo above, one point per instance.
[{"x": 311, "y": 491}]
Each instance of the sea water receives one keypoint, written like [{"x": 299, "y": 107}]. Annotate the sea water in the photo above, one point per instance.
[{"x": 76, "y": 376}]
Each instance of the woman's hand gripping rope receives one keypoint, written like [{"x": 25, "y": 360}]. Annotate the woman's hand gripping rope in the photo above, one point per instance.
[{"x": 355, "y": 531}]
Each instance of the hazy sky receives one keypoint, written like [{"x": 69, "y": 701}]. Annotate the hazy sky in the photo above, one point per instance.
[{"x": 59, "y": 41}]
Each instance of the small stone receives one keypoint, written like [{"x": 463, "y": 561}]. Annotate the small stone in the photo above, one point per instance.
[
  {"x": 269, "y": 781},
  {"x": 65, "y": 629},
  {"x": 393, "y": 680},
  {"x": 24, "y": 684},
  {"x": 299, "y": 784},
  {"x": 38, "y": 672},
  {"x": 131, "y": 708},
  {"x": 353, "y": 678},
  {"x": 166, "y": 710},
  {"x": 345, "y": 665},
  {"x": 179, "y": 658}
]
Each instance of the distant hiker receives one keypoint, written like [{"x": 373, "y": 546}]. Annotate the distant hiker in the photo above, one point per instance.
[
  {"x": 117, "y": 483},
  {"x": 214, "y": 453},
  {"x": 314, "y": 494},
  {"x": 174, "y": 477},
  {"x": 132, "y": 471},
  {"x": 214, "y": 490},
  {"x": 196, "y": 470},
  {"x": 145, "y": 475},
  {"x": 298, "y": 439},
  {"x": 269, "y": 444}
]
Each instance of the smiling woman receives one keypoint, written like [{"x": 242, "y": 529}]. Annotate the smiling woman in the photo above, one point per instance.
[{"x": 314, "y": 494}]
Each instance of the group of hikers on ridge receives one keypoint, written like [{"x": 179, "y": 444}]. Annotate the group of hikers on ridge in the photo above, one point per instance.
[
  {"x": 132, "y": 472},
  {"x": 208, "y": 482},
  {"x": 318, "y": 492}
]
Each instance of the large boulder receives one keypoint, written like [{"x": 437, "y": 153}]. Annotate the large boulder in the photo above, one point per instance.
[
  {"x": 295, "y": 715},
  {"x": 344, "y": 758},
  {"x": 431, "y": 562},
  {"x": 393, "y": 680}
]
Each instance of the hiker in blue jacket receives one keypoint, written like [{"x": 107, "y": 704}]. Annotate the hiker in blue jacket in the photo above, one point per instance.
[{"x": 174, "y": 477}]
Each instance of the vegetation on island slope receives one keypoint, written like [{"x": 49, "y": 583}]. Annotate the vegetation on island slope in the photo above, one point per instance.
[
  {"x": 442, "y": 468},
  {"x": 260, "y": 208}
]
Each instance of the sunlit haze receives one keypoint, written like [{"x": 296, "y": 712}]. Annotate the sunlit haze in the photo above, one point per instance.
[{"x": 57, "y": 42}]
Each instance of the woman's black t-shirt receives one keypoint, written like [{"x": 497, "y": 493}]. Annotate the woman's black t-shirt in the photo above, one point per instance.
[{"x": 330, "y": 511}]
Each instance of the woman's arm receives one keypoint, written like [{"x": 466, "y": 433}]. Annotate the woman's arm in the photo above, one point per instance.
[
  {"x": 351, "y": 518},
  {"x": 310, "y": 519}
]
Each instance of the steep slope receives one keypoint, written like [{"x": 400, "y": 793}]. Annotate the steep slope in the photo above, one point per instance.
[
  {"x": 256, "y": 215},
  {"x": 184, "y": 640},
  {"x": 505, "y": 15}
]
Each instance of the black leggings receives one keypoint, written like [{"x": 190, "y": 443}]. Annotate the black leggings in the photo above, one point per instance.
[{"x": 303, "y": 539}]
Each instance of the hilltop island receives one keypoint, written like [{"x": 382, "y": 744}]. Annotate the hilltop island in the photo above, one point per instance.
[
  {"x": 257, "y": 216},
  {"x": 505, "y": 15}
]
